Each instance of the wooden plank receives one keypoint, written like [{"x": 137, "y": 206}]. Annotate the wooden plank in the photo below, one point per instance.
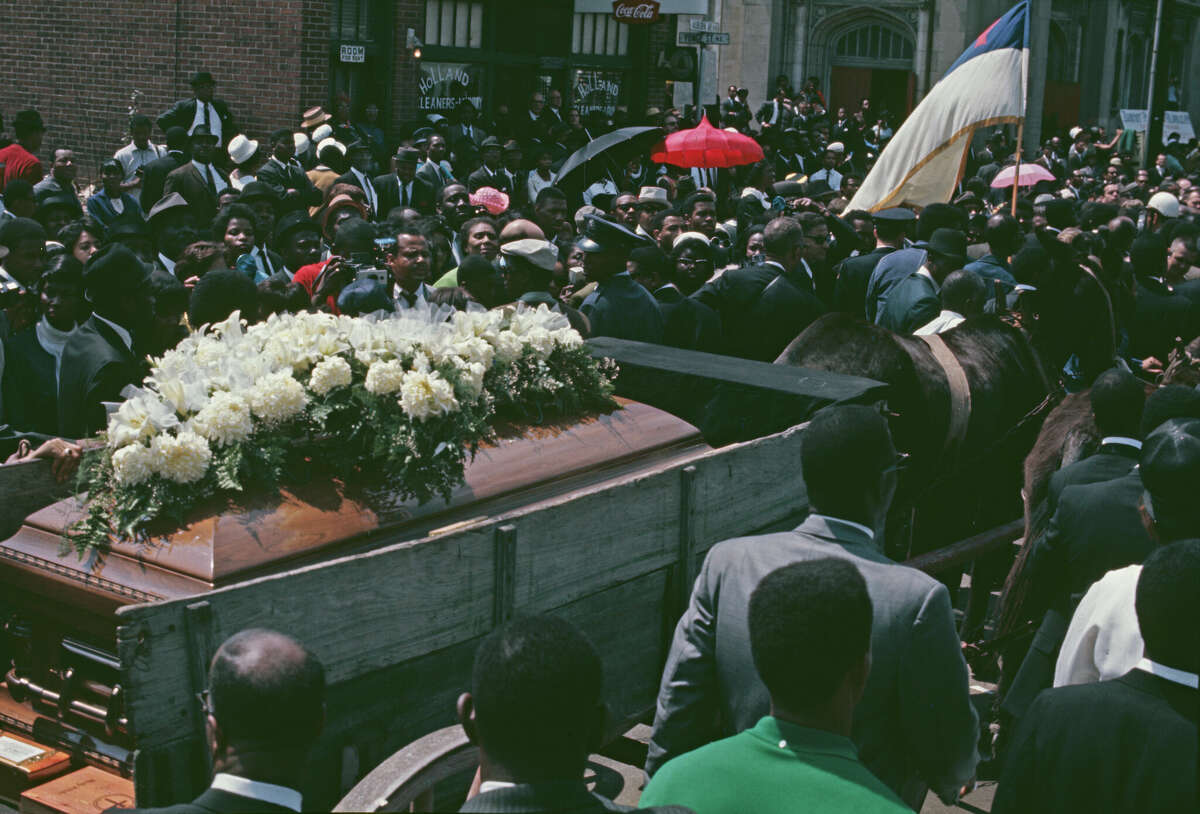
[
  {"x": 25, "y": 488},
  {"x": 505, "y": 560},
  {"x": 959, "y": 554},
  {"x": 356, "y": 613}
]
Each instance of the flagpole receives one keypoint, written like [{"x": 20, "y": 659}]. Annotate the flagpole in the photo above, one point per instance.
[{"x": 1017, "y": 171}]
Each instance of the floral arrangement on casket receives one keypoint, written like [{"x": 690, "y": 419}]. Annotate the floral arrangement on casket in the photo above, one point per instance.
[{"x": 402, "y": 399}]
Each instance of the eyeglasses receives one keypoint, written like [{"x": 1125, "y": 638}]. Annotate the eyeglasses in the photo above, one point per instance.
[{"x": 900, "y": 463}]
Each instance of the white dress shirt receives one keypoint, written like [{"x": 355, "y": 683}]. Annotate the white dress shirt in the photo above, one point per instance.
[
  {"x": 257, "y": 790},
  {"x": 536, "y": 184},
  {"x": 939, "y": 324},
  {"x": 1175, "y": 676},
  {"x": 1121, "y": 440},
  {"x": 831, "y": 177},
  {"x": 52, "y": 341},
  {"x": 262, "y": 261},
  {"x": 1103, "y": 640},
  {"x": 132, "y": 157},
  {"x": 369, "y": 189},
  {"x": 206, "y": 171},
  {"x": 422, "y": 293},
  {"x": 606, "y": 186},
  {"x": 214, "y": 121},
  {"x": 167, "y": 262},
  {"x": 126, "y": 337}
]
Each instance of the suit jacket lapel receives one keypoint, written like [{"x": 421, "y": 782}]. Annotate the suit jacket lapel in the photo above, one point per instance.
[{"x": 112, "y": 338}]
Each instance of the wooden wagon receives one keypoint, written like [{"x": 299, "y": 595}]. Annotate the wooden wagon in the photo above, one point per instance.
[{"x": 603, "y": 521}]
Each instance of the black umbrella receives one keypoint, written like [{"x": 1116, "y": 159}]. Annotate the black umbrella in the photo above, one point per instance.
[{"x": 627, "y": 140}]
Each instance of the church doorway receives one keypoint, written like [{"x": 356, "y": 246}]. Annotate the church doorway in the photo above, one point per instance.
[{"x": 872, "y": 61}]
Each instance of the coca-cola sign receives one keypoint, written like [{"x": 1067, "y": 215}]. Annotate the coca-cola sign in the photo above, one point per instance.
[{"x": 636, "y": 12}]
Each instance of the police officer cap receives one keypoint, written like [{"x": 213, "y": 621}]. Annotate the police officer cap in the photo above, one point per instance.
[
  {"x": 421, "y": 135},
  {"x": 896, "y": 213},
  {"x": 602, "y": 235},
  {"x": 540, "y": 253},
  {"x": 114, "y": 268}
]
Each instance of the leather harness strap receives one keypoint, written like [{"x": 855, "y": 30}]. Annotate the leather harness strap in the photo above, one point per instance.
[{"x": 960, "y": 391}]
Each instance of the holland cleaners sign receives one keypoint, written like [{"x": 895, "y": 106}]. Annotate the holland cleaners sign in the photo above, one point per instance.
[{"x": 636, "y": 12}]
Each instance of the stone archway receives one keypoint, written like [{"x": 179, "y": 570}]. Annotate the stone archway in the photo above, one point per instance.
[{"x": 865, "y": 52}]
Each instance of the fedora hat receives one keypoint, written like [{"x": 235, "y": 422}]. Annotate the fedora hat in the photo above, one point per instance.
[
  {"x": 202, "y": 78},
  {"x": 242, "y": 149},
  {"x": 314, "y": 117},
  {"x": 653, "y": 197},
  {"x": 948, "y": 243},
  {"x": 202, "y": 131}
]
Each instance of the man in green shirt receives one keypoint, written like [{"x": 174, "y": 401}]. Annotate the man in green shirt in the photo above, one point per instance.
[{"x": 810, "y": 635}]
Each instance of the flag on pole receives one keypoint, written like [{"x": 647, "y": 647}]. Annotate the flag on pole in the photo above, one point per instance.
[{"x": 924, "y": 161}]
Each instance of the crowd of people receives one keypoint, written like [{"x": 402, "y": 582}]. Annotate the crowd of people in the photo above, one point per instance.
[{"x": 808, "y": 665}]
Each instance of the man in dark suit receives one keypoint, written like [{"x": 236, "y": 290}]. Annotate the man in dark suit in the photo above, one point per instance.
[
  {"x": 518, "y": 187},
  {"x": 916, "y": 300},
  {"x": 102, "y": 355},
  {"x": 536, "y": 711},
  {"x": 359, "y": 155},
  {"x": 619, "y": 306},
  {"x": 465, "y": 132},
  {"x": 1128, "y": 744},
  {"x": 202, "y": 110},
  {"x": 764, "y": 307},
  {"x": 404, "y": 188},
  {"x": 915, "y": 727},
  {"x": 154, "y": 173},
  {"x": 198, "y": 181},
  {"x": 264, "y": 709},
  {"x": 853, "y": 273},
  {"x": 286, "y": 175},
  {"x": 775, "y": 115},
  {"x": 687, "y": 322},
  {"x": 1117, "y": 399},
  {"x": 491, "y": 174}
]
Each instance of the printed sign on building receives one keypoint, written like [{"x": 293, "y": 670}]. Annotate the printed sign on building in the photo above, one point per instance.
[{"x": 444, "y": 84}]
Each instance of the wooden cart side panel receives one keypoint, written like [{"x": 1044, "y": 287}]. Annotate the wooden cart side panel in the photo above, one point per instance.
[{"x": 431, "y": 594}]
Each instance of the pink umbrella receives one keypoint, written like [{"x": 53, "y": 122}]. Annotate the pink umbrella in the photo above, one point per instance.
[{"x": 1030, "y": 175}]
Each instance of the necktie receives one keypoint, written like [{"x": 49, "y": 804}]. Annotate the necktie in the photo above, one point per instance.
[
  {"x": 409, "y": 297},
  {"x": 212, "y": 182},
  {"x": 403, "y": 194},
  {"x": 206, "y": 122}
]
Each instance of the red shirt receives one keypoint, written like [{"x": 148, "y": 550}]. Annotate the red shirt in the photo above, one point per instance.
[
  {"x": 307, "y": 277},
  {"x": 20, "y": 163}
]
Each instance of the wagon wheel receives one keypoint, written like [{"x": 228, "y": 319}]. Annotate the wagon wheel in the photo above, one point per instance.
[{"x": 405, "y": 781}]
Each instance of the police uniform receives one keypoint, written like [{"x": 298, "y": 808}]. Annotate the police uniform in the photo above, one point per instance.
[{"x": 619, "y": 306}]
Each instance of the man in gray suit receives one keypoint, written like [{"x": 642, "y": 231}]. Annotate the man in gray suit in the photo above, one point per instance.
[{"x": 915, "y": 727}]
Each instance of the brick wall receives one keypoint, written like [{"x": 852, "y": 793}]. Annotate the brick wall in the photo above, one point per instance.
[
  {"x": 406, "y": 71},
  {"x": 85, "y": 63}
]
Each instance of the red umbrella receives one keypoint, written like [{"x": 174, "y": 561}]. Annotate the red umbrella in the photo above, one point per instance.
[{"x": 706, "y": 146}]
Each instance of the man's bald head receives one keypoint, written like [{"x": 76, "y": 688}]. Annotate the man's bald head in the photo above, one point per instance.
[
  {"x": 267, "y": 691},
  {"x": 521, "y": 229}
]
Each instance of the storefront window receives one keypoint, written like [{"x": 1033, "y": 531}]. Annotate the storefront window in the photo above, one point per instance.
[
  {"x": 597, "y": 90},
  {"x": 444, "y": 84},
  {"x": 454, "y": 23}
]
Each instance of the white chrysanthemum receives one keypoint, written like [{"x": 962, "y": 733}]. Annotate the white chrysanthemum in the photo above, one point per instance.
[
  {"x": 426, "y": 394},
  {"x": 132, "y": 464},
  {"x": 475, "y": 350},
  {"x": 183, "y": 458},
  {"x": 470, "y": 380},
  {"x": 384, "y": 377},
  {"x": 567, "y": 338},
  {"x": 509, "y": 347},
  {"x": 329, "y": 373},
  {"x": 420, "y": 362},
  {"x": 224, "y": 420},
  {"x": 277, "y": 397},
  {"x": 541, "y": 341}
]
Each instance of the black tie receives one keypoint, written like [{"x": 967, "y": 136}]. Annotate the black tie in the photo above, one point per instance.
[
  {"x": 403, "y": 194},
  {"x": 205, "y": 106},
  {"x": 409, "y": 297},
  {"x": 212, "y": 183}
]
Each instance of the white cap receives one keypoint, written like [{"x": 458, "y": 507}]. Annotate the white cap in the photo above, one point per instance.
[
  {"x": 331, "y": 142},
  {"x": 540, "y": 253},
  {"x": 1075, "y": 131},
  {"x": 836, "y": 147},
  {"x": 1165, "y": 204},
  {"x": 242, "y": 149},
  {"x": 689, "y": 236},
  {"x": 321, "y": 133},
  {"x": 302, "y": 142}
]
